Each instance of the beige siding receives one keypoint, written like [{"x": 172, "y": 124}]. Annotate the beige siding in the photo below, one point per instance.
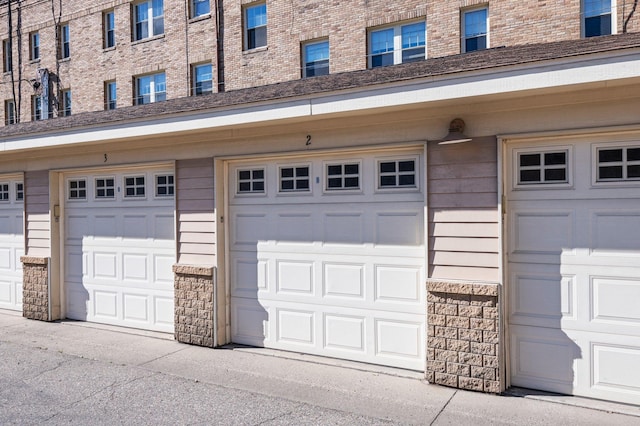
[
  {"x": 464, "y": 225},
  {"x": 195, "y": 212},
  {"x": 38, "y": 223}
]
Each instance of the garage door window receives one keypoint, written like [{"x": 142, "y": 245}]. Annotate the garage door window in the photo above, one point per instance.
[
  {"x": 343, "y": 176},
  {"x": 294, "y": 179},
  {"x": 397, "y": 174},
  {"x": 164, "y": 186},
  {"x": 77, "y": 189},
  {"x": 105, "y": 188},
  {"x": 250, "y": 181},
  {"x": 19, "y": 191},
  {"x": 543, "y": 167},
  {"x": 4, "y": 192},
  {"x": 134, "y": 187},
  {"x": 619, "y": 164}
]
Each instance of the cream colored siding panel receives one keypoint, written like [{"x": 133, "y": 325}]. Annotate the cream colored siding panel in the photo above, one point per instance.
[
  {"x": 38, "y": 224},
  {"x": 481, "y": 200},
  {"x": 450, "y": 258},
  {"x": 447, "y": 171},
  {"x": 196, "y": 237},
  {"x": 463, "y": 215},
  {"x": 197, "y": 227},
  {"x": 476, "y": 185},
  {"x": 476, "y": 245},
  {"x": 480, "y": 230},
  {"x": 465, "y": 273},
  {"x": 197, "y": 248}
]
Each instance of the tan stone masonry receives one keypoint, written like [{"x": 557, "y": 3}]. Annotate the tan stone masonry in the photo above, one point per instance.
[
  {"x": 35, "y": 291},
  {"x": 463, "y": 335},
  {"x": 193, "y": 305}
]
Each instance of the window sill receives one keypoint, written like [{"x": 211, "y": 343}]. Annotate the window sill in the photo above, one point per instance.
[
  {"x": 63, "y": 60},
  {"x": 148, "y": 39},
  {"x": 108, "y": 49},
  {"x": 256, "y": 50},
  {"x": 34, "y": 61},
  {"x": 200, "y": 18}
]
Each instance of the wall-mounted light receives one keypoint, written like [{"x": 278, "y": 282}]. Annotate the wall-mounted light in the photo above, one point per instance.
[{"x": 456, "y": 133}]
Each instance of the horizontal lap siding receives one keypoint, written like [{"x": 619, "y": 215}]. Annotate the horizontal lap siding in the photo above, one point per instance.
[
  {"x": 464, "y": 225},
  {"x": 196, "y": 217},
  {"x": 38, "y": 222}
]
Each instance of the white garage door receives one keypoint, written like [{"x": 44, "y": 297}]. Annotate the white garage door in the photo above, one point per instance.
[
  {"x": 120, "y": 248},
  {"x": 574, "y": 268},
  {"x": 327, "y": 256},
  {"x": 11, "y": 242}
]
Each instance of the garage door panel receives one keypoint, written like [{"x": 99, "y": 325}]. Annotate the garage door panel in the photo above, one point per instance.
[
  {"x": 163, "y": 228},
  {"x": 135, "y": 307},
  {"x": 291, "y": 227},
  {"x": 250, "y": 322},
  {"x": 398, "y": 284},
  {"x": 105, "y": 265},
  {"x": 105, "y": 304},
  {"x": 345, "y": 333},
  {"x": 542, "y": 232},
  {"x": 399, "y": 228},
  {"x": 134, "y": 226},
  {"x": 295, "y": 327},
  {"x": 295, "y": 277},
  {"x": 616, "y": 370},
  {"x": 343, "y": 227},
  {"x": 615, "y": 231},
  {"x": 616, "y": 300},
  {"x": 343, "y": 280},
  {"x": 249, "y": 229},
  {"x": 134, "y": 267},
  {"x": 6, "y": 259}
]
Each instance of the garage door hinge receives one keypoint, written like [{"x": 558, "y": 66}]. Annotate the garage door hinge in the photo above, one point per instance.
[{"x": 221, "y": 219}]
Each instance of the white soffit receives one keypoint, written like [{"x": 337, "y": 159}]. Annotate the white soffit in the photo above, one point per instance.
[{"x": 558, "y": 74}]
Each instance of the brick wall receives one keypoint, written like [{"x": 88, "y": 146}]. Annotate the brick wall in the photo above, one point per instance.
[
  {"x": 35, "y": 288},
  {"x": 463, "y": 335},
  {"x": 193, "y": 300}
]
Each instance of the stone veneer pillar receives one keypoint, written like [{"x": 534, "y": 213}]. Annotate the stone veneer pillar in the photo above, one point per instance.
[
  {"x": 463, "y": 335},
  {"x": 35, "y": 288},
  {"x": 194, "y": 287}
]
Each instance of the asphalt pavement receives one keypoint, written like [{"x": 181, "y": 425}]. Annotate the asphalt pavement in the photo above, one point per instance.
[{"x": 86, "y": 374}]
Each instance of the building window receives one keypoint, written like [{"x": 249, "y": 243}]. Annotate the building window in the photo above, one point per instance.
[
  {"x": 397, "y": 174},
  {"x": 6, "y": 55},
  {"x": 64, "y": 41},
  {"x": 19, "y": 191},
  {"x": 110, "y": 95},
  {"x": 255, "y": 22},
  {"x": 36, "y": 108},
  {"x": 474, "y": 23},
  {"x": 105, "y": 187},
  {"x": 109, "y": 29},
  {"x": 316, "y": 59},
  {"x": 65, "y": 109},
  {"x": 78, "y": 189},
  {"x": 542, "y": 167},
  {"x": 164, "y": 186},
  {"x": 34, "y": 46},
  {"x": 396, "y": 45},
  {"x": 134, "y": 186},
  {"x": 343, "y": 176},
  {"x": 148, "y": 17},
  {"x": 293, "y": 179},
  {"x": 597, "y": 17},
  {"x": 199, "y": 8},
  {"x": 202, "y": 79},
  {"x": 4, "y": 192},
  {"x": 150, "y": 88},
  {"x": 618, "y": 164},
  {"x": 250, "y": 181},
  {"x": 9, "y": 112}
]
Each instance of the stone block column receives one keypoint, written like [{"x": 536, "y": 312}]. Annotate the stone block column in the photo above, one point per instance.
[
  {"x": 463, "y": 336},
  {"x": 35, "y": 288},
  {"x": 193, "y": 304}
]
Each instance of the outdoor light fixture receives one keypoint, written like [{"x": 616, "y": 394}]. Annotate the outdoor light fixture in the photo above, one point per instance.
[{"x": 455, "y": 135}]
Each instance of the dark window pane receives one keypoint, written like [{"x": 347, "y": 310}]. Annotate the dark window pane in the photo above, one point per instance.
[
  {"x": 335, "y": 183},
  {"x": 162, "y": 180},
  {"x": 258, "y": 174},
  {"x": 286, "y": 173},
  {"x": 130, "y": 192},
  {"x": 287, "y": 185},
  {"x": 244, "y": 174},
  {"x": 351, "y": 169},
  {"x": 597, "y": 26},
  {"x": 389, "y": 167},
  {"x": 162, "y": 190},
  {"x": 302, "y": 184},
  {"x": 407, "y": 180},
  {"x": 609, "y": 155},
  {"x": 529, "y": 175},
  {"x": 170, "y": 190},
  {"x": 302, "y": 171},
  {"x": 407, "y": 166},
  {"x": 529, "y": 160},
  {"x": 351, "y": 182},
  {"x": 555, "y": 158},
  {"x": 129, "y": 181},
  {"x": 633, "y": 172},
  {"x": 382, "y": 60},
  {"x": 633, "y": 154},
  {"x": 555, "y": 175},
  {"x": 334, "y": 170},
  {"x": 258, "y": 186},
  {"x": 244, "y": 187},
  {"x": 387, "y": 181},
  {"x": 611, "y": 172},
  {"x": 412, "y": 55},
  {"x": 100, "y": 192}
]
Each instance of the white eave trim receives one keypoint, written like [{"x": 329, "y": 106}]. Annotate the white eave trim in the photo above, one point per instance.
[{"x": 598, "y": 69}]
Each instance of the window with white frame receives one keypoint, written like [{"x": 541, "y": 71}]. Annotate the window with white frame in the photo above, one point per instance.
[
  {"x": 396, "y": 45},
  {"x": 36, "y": 108},
  {"x": 618, "y": 164},
  {"x": 105, "y": 187},
  {"x": 34, "y": 46},
  {"x": 164, "y": 186},
  {"x": 202, "y": 79},
  {"x": 315, "y": 56},
  {"x": 475, "y": 32},
  {"x": 294, "y": 179},
  {"x": 77, "y": 189},
  {"x": 4, "y": 192},
  {"x": 134, "y": 186},
  {"x": 255, "y": 24},
  {"x": 65, "y": 41},
  {"x": 199, "y": 8},
  {"x": 110, "y": 95},
  {"x": 343, "y": 176},
  {"x": 597, "y": 17},
  {"x": 397, "y": 173},
  {"x": 543, "y": 167},
  {"x": 109, "y": 29},
  {"x": 148, "y": 18},
  {"x": 65, "y": 109},
  {"x": 10, "y": 112},
  {"x": 150, "y": 88},
  {"x": 19, "y": 191},
  {"x": 7, "y": 55},
  {"x": 251, "y": 181}
]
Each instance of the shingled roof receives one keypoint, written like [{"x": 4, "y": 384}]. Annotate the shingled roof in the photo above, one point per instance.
[{"x": 473, "y": 61}]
